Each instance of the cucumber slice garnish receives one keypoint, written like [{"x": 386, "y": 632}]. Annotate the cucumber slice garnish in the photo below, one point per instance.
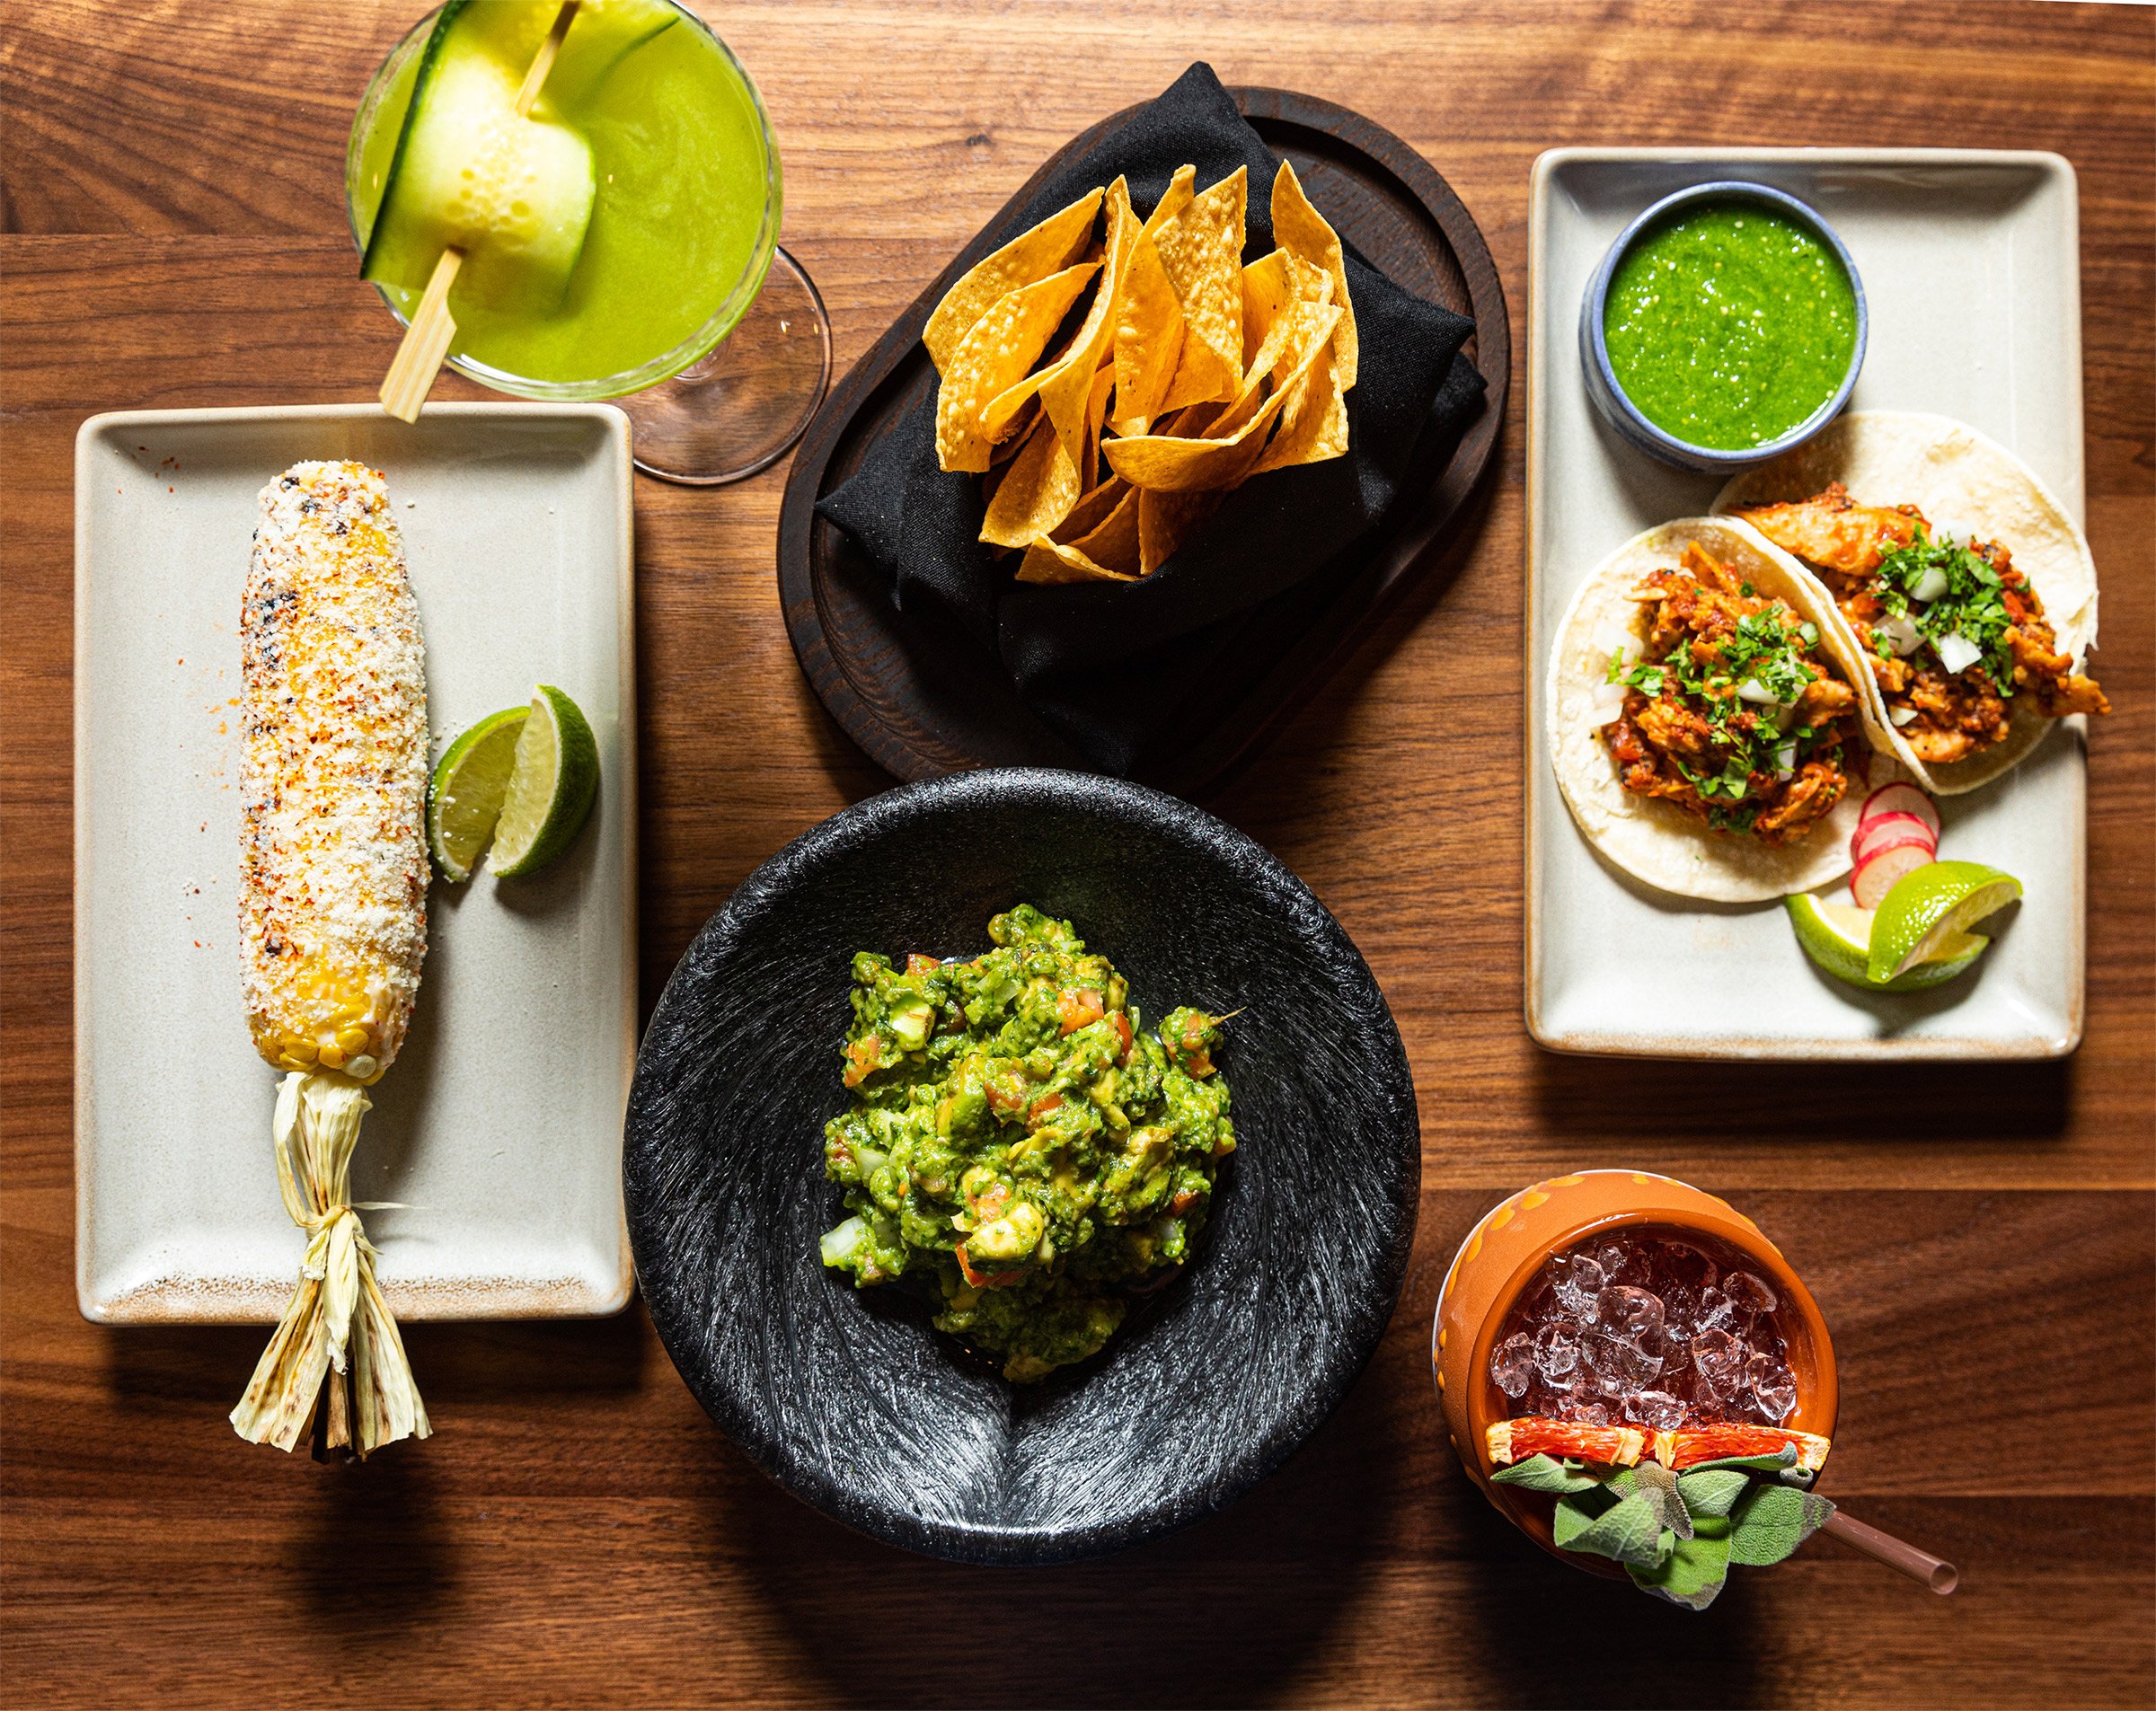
[{"x": 515, "y": 194}]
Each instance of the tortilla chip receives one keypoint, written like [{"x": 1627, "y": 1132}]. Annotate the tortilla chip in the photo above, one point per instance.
[
  {"x": 1067, "y": 386},
  {"x": 1108, "y": 553},
  {"x": 1202, "y": 250},
  {"x": 1028, "y": 259},
  {"x": 1003, "y": 344},
  {"x": 1268, "y": 286},
  {"x": 1301, "y": 229},
  {"x": 1096, "y": 414},
  {"x": 1049, "y": 562},
  {"x": 1173, "y": 200},
  {"x": 1092, "y": 510},
  {"x": 1314, "y": 423},
  {"x": 1037, "y": 492},
  {"x": 1282, "y": 345},
  {"x": 1007, "y": 447},
  {"x": 1149, "y": 338},
  {"x": 1165, "y": 521},
  {"x": 1113, "y": 541},
  {"x": 1180, "y": 465}
]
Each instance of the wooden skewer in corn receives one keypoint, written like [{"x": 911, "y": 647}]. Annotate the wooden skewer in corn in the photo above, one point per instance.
[{"x": 427, "y": 337}]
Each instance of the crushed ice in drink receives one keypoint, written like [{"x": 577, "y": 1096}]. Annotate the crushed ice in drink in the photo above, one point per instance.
[
  {"x": 1555, "y": 1350},
  {"x": 1650, "y": 1330},
  {"x": 1578, "y": 1280},
  {"x": 1750, "y": 1293},
  {"x": 1656, "y": 1410},
  {"x": 1512, "y": 1364},
  {"x": 1623, "y": 1310}
]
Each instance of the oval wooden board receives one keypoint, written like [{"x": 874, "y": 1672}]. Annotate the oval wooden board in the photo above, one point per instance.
[{"x": 923, "y": 699}]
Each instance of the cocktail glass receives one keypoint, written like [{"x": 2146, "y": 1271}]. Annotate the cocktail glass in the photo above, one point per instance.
[{"x": 683, "y": 308}]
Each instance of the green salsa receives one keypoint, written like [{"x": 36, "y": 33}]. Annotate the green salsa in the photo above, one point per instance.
[
  {"x": 1730, "y": 325},
  {"x": 1020, "y": 1145}
]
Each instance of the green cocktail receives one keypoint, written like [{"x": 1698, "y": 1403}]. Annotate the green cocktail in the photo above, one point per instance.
[{"x": 612, "y": 239}]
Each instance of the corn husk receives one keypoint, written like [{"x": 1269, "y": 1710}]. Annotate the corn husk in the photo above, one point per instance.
[{"x": 338, "y": 1342}]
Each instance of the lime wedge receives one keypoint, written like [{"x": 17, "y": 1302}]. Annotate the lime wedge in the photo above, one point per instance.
[
  {"x": 465, "y": 797},
  {"x": 1928, "y": 907},
  {"x": 551, "y": 789},
  {"x": 1838, "y": 937}
]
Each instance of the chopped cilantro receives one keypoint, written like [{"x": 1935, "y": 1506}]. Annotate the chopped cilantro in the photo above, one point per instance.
[
  {"x": 1645, "y": 679},
  {"x": 1971, "y": 604},
  {"x": 1768, "y": 648}
]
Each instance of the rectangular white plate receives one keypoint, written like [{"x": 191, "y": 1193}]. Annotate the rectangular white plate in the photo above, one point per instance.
[
  {"x": 500, "y": 1125},
  {"x": 1970, "y": 264}
]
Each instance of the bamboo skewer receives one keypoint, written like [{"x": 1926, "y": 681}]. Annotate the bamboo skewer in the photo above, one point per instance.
[
  {"x": 411, "y": 371},
  {"x": 542, "y": 61},
  {"x": 428, "y": 336}
]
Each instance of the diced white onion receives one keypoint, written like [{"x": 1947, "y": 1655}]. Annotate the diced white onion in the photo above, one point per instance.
[
  {"x": 1605, "y": 703},
  {"x": 1757, "y": 692},
  {"x": 1785, "y": 760},
  {"x": 1950, "y": 531},
  {"x": 1902, "y": 715},
  {"x": 1929, "y": 587},
  {"x": 1957, "y": 652},
  {"x": 1901, "y": 635},
  {"x": 1612, "y": 639}
]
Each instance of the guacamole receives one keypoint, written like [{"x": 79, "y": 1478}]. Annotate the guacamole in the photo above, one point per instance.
[{"x": 1020, "y": 1145}]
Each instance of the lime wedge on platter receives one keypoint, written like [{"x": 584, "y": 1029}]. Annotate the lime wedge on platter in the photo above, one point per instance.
[
  {"x": 1839, "y": 937},
  {"x": 551, "y": 789},
  {"x": 1929, "y": 909},
  {"x": 522, "y": 779},
  {"x": 465, "y": 797}
]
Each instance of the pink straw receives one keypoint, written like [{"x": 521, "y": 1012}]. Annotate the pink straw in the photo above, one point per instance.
[{"x": 1941, "y": 1577}]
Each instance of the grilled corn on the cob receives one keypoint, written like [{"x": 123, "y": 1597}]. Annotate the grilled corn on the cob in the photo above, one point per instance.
[
  {"x": 332, "y": 846},
  {"x": 332, "y": 915}
]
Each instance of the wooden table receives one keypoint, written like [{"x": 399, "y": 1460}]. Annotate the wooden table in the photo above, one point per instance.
[{"x": 1979, "y": 1236}]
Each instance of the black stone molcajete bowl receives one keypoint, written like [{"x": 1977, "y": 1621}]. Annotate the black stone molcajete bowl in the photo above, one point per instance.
[{"x": 847, "y": 1397}]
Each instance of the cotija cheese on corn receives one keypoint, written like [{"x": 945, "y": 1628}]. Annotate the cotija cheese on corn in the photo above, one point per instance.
[{"x": 332, "y": 847}]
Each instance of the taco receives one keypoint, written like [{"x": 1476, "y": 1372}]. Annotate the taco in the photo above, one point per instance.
[
  {"x": 1706, "y": 719},
  {"x": 1961, "y": 578}
]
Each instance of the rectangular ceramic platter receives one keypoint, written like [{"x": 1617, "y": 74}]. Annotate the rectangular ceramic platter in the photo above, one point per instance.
[
  {"x": 1969, "y": 261},
  {"x": 500, "y": 1125}
]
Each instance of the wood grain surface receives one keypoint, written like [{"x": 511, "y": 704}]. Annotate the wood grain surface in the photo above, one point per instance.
[{"x": 1980, "y": 1236}]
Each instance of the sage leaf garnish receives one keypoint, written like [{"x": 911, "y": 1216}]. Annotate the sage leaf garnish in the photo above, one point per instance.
[
  {"x": 1690, "y": 1577},
  {"x": 1629, "y": 1533},
  {"x": 1771, "y": 1462},
  {"x": 1712, "y": 1491},
  {"x": 1577, "y": 1512},
  {"x": 1769, "y": 1522},
  {"x": 1547, "y": 1473},
  {"x": 1655, "y": 1483}
]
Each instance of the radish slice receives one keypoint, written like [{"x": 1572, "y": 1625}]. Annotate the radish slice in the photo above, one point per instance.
[
  {"x": 1876, "y": 875},
  {"x": 1879, "y": 846},
  {"x": 1883, "y": 829},
  {"x": 1898, "y": 798}
]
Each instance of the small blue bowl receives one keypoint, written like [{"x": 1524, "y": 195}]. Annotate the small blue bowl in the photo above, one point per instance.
[{"x": 1625, "y": 416}]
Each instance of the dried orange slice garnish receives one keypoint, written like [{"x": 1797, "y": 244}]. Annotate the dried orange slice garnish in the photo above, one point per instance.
[
  {"x": 1690, "y": 1447},
  {"x": 1616, "y": 1446}
]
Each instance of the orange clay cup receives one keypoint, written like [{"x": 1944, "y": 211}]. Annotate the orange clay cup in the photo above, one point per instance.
[{"x": 1504, "y": 1252}]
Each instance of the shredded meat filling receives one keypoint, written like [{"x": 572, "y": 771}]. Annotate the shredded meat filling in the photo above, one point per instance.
[
  {"x": 1665, "y": 744},
  {"x": 1946, "y": 715}
]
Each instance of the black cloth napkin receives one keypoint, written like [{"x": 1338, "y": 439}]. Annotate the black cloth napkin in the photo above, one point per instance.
[{"x": 1114, "y": 667}]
